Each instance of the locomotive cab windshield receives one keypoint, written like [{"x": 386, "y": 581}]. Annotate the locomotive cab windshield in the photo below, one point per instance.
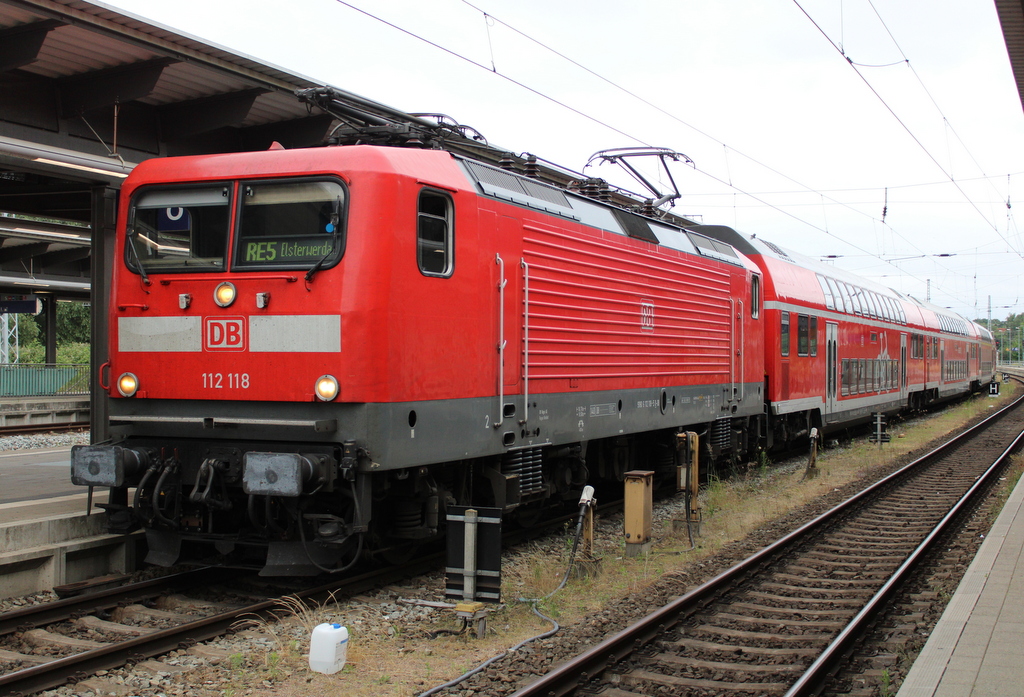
[
  {"x": 293, "y": 223},
  {"x": 173, "y": 230},
  {"x": 290, "y": 224}
]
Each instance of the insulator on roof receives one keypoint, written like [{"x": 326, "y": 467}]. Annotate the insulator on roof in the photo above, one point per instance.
[
  {"x": 531, "y": 168},
  {"x": 507, "y": 161}
]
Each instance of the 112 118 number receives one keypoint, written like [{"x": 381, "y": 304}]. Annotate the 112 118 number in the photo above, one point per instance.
[{"x": 217, "y": 381}]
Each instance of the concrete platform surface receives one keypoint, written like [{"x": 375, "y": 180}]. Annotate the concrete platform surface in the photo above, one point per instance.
[
  {"x": 977, "y": 648},
  {"x": 37, "y": 484}
]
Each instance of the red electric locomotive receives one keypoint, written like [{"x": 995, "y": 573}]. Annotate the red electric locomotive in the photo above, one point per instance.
[
  {"x": 314, "y": 352},
  {"x": 840, "y": 348}
]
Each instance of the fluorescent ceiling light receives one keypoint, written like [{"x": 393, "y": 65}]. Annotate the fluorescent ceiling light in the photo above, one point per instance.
[{"x": 84, "y": 168}]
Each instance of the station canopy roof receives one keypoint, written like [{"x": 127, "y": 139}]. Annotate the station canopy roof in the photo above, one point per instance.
[
  {"x": 87, "y": 91},
  {"x": 1011, "y": 17}
]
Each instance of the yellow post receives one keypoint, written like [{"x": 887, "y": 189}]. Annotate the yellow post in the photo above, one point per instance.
[
  {"x": 587, "y": 543},
  {"x": 638, "y": 514}
]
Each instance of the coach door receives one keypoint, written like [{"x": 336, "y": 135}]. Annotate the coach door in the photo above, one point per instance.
[
  {"x": 903, "y": 367},
  {"x": 942, "y": 363},
  {"x": 832, "y": 367}
]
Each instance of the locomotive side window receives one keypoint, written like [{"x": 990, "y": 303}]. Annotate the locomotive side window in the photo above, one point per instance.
[
  {"x": 434, "y": 238},
  {"x": 290, "y": 224},
  {"x": 784, "y": 334},
  {"x": 183, "y": 229}
]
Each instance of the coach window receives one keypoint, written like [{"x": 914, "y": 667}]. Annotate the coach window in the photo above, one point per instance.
[
  {"x": 755, "y": 296},
  {"x": 814, "y": 336},
  {"x": 847, "y": 300},
  {"x": 858, "y": 307},
  {"x": 802, "y": 339},
  {"x": 434, "y": 234},
  {"x": 784, "y": 334},
  {"x": 830, "y": 302},
  {"x": 834, "y": 287}
]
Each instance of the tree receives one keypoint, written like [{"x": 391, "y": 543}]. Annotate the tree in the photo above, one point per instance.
[
  {"x": 74, "y": 335},
  {"x": 73, "y": 323}
]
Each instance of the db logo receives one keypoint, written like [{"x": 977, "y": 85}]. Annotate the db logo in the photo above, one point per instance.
[
  {"x": 646, "y": 316},
  {"x": 224, "y": 334}
]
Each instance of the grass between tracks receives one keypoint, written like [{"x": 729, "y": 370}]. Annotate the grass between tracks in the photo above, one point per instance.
[{"x": 403, "y": 660}]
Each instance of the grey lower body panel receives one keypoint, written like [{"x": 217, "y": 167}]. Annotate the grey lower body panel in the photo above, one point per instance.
[{"x": 406, "y": 434}]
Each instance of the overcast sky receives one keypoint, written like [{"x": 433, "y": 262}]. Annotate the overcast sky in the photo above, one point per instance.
[{"x": 804, "y": 120}]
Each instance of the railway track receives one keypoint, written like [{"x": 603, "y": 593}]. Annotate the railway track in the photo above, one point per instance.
[
  {"x": 109, "y": 629},
  {"x": 25, "y": 429},
  {"x": 784, "y": 620},
  {"x": 44, "y": 646}
]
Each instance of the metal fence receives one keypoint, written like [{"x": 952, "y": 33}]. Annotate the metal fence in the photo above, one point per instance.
[{"x": 29, "y": 380}]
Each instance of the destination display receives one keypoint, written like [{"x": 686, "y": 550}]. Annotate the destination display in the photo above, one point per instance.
[{"x": 267, "y": 251}]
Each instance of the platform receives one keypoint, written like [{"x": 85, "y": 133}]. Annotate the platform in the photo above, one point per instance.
[
  {"x": 976, "y": 648},
  {"x": 47, "y": 537},
  {"x": 57, "y": 411}
]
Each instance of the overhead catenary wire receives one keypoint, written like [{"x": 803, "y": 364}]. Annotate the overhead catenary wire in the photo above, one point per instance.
[
  {"x": 905, "y": 127},
  {"x": 728, "y": 181},
  {"x": 579, "y": 112}
]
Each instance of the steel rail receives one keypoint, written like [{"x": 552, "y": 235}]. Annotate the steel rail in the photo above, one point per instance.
[
  {"x": 592, "y": 662},
  {"x": 98, "y": 601}
]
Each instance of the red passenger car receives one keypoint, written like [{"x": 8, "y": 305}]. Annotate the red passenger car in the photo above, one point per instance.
[{"x": 840, "y": 348}]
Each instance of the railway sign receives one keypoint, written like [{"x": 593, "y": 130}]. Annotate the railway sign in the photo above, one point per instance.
[{"x": 20, "y": 304}]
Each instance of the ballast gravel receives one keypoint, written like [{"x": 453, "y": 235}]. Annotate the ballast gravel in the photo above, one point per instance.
[{"x": 44, "y": 440}]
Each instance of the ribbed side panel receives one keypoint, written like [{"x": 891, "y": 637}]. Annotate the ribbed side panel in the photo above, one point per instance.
[{"x": 605, "y": 307}]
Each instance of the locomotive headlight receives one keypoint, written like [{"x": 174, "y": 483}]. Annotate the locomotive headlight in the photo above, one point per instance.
[
  {"x": 127, "y": 384},
  {"x": 326, "y": 388},
  {"x": 224, "y": 294}
]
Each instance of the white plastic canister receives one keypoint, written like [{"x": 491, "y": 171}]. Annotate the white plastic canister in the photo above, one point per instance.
[{"x": 328, "y": 647}]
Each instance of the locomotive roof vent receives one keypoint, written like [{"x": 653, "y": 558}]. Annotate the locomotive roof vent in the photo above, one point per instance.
[{"x": 519, "y": 189}]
